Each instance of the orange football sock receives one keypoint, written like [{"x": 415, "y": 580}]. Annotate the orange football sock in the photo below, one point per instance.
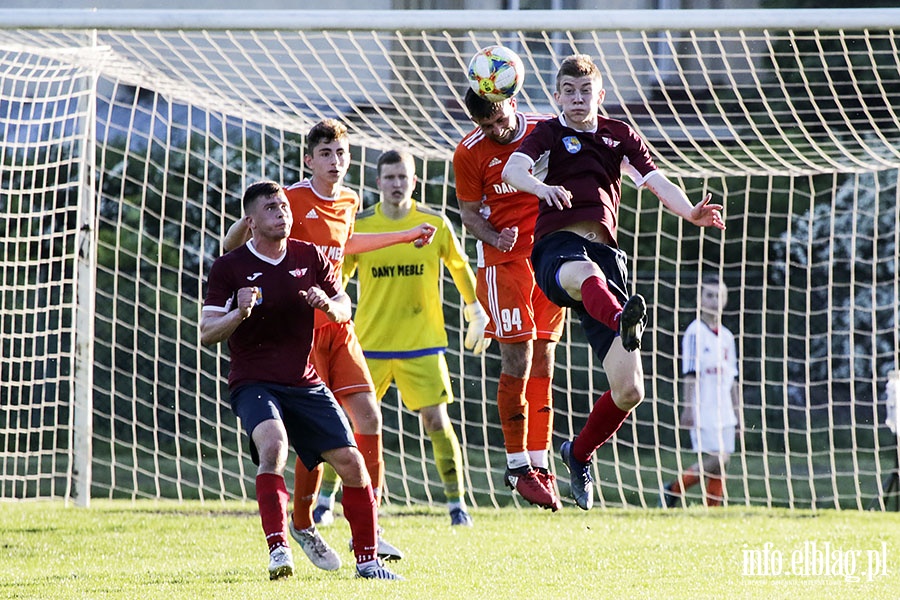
[
  {"x": 714, "y": 491},
  {"x": 371, "y": 449},
  {"x": 306, "y": 487},
  {"x": 684, "y": 482},
  {"x": 512, "y": 409},
  {"x": 540, "y": 412}
]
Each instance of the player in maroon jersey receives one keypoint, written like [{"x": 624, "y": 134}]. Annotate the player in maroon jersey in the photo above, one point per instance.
[
  {"x": 262, "y": 297},
  {"x": 577, "y": 262}
]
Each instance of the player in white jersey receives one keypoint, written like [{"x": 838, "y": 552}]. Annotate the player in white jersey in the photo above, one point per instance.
[{"x": 711, "y": 397}]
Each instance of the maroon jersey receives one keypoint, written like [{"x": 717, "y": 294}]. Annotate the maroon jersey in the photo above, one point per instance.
[
  {"x": 272, "y": 345},
  {"x": 590, "y": 166}
]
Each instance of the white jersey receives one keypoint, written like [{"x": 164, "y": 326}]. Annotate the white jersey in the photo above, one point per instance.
[{"x": 711, "y": 356}]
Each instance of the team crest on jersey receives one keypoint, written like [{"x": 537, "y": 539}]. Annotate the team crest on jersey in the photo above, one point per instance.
[
  {"x": 572, "y": 144},
  {"x": 610, "y": 142},
  {"x": 298, "y": 273}
]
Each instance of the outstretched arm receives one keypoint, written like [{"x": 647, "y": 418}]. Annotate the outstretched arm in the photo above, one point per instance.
[
  {"x": 421, "y": 235},
  {"x": 673, "y": 197}
]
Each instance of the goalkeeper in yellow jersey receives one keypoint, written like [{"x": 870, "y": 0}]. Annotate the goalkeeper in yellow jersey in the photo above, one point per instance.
[{"x": 400, "y": 323}]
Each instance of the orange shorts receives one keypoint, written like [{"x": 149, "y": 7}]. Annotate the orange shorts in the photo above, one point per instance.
[
  {"x": 339, "y": 361},
  {"x": 517, "y": 308}
]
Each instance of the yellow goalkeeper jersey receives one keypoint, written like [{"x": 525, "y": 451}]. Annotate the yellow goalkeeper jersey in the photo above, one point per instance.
[{"x": 399, "y": 309}]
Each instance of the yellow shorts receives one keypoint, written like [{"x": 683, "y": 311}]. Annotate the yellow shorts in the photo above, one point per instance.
[
  {"x": 339, "y": 361},
  {"x": 422, "y": 381}
]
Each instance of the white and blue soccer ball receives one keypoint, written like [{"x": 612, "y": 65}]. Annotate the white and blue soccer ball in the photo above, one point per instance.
[{"x": 496, "y": 73}]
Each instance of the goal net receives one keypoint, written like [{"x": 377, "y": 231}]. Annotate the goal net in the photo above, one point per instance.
[{"x": 127, "y": 137}]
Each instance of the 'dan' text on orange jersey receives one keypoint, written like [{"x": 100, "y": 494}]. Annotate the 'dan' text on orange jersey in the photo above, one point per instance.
[{"x": 478, "y": 164}]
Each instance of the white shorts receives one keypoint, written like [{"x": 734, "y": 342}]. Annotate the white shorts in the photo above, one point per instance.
[{"x": 719, "y": 440}]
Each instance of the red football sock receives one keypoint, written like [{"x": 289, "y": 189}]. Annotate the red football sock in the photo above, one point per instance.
[
  {"x": 600, "y": 303},
  {"x": 272, "y": 498},
  {"x": 604, "y": 420},
  {"x": 540, "y": 412},
  {"x": 306, "y": 487},
  {"x": 362, "y": 514},
  {"x": 370, "y": 447},
  {"x": 511, "y": 406}
]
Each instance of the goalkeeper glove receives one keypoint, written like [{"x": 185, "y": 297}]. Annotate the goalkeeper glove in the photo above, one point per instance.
[{"x": 477, "y": 320}]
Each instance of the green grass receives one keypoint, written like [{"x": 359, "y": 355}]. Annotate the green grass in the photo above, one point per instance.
[{"x": 149, "y": 550}]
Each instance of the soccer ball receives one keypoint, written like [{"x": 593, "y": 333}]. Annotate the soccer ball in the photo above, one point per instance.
[{"x": 496, "y": 73}]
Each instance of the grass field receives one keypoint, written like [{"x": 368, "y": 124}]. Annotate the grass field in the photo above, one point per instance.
[{"x": 149, "y": 550}]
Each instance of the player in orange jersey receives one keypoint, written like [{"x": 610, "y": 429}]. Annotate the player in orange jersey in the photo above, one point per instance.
[
  {"x": 324, "y": 214},
  {"x": 522, "y": 320}
]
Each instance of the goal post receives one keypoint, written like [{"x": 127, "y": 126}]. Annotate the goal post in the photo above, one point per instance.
[{"x": 127, "y": 137}]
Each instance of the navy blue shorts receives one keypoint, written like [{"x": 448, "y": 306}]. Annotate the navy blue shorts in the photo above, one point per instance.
[
  {"x": 555, "y": 249},
  {"x": 314, "y": 421}
]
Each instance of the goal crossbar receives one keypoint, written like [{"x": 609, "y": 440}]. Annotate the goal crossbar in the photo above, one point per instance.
[{"x": 453, "y": 20}]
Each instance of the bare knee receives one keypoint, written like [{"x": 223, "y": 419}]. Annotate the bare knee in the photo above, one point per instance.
[
  {"x": 434, "y": 418},
  {"x": 348, "y": 464},
  {"x": 714, "y": 464},
  {"x": 629, "y": 396},
  {"x": 515, "y": 358},
  {"x": 362, "y": 408},
  {"x": 572, "y": 274},
  {"x": 270, "y": 439}
]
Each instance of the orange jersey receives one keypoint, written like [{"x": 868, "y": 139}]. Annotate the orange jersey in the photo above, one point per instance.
[
  {"x": 478, "y": 163},
  {"x": 323, "y": 221}
]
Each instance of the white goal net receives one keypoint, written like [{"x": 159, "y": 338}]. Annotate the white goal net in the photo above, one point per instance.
[{"x": 126, "y": 138}]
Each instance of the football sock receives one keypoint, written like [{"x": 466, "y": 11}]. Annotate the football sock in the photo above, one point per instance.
[
  {"x": 448, "y": 459},
  {"x": 604, "y": 420},
  {"x": 713, "y": 491},
  {"x": 329, "y": 487},
  {"x": 306, "y": 486},
  {"x": 362, "y": 514},
  {"x": 600, "y": 303},
  {"x": 540, "y": 416},
  {"x": 512, "y": 409},
  {"x": 272, "y": 498},
  {"x": 684, "y": 482},
  {"x": 454, "y": 504},
  {"x": 370, "y": 447},
  {"x": 517, "y": 460},
  {"x": 540, "y": 459}
]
